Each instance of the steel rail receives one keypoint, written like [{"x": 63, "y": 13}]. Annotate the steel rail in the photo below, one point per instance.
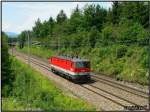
[
  {"x": 122, "y": 87},
  {"x": 114, "y": 95}
]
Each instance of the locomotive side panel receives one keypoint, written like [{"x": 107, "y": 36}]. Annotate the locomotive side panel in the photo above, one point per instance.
[
  {"x": 61, "y": 66},
  {"x": 69, "y": 69}
]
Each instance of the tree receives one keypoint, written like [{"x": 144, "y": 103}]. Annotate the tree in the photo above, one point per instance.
[
  {"x": 22, "y": 38},
  {"x": 100, "y": 17},
  {"x": 89, "y": 14},
  {"x": 6, "y": 70},
  {"x": 136, "y": 11},
  {"x": 44, "y": 30},
  {"x": 37, "y": 28},
  {"x": 109, "y": 18},
  {"x": 115, "y": 12},
  {"x": 93, "y": 36},
  {"x": 76, "y": 20},
  {"x": 61, "y": 17},
  {"x": 94, "y": 16},
  {"x": 50, "y": 23}
]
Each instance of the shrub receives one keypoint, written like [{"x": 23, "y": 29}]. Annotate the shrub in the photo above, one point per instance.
[{"x": 121, "y": 50}]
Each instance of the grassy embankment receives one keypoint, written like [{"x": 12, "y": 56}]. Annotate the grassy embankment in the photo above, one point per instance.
[
  {"x": 129, "y": 63},
  {"x": 33, "y": 90}
]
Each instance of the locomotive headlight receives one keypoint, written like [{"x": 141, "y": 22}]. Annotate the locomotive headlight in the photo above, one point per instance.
[{"x": 71, "y": 69}]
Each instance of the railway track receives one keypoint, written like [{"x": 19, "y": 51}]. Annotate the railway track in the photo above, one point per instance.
[
  {"x": 110, "y": 82},
  {"x": 122, "y": 86},
  {"x": 101, "y": 92}
]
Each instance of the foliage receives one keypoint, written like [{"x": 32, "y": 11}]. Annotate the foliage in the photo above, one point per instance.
[
  {"x": 36, "y": 29},
  {"x": 94, "y": 16},
  {"x": 11, "y": 104},
  {"x": 39, "y": 51},
  {"x": 61, "y": 17},
  {"x": 135, "y": 11},
  {"x": 21, "y": 39},
  {"x": 121, "y": 51},
  {"x": 11, "y": 40},
  {"x": 7, "y": 75}
]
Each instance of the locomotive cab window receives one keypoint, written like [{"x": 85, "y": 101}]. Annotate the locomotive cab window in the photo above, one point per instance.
[{"x": 83, "y": 64}]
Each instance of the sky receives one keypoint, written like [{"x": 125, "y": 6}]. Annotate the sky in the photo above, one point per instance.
[{"x": 19, "y": 16}]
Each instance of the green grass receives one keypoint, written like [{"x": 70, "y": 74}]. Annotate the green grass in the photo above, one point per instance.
[
  {"x": 39, "y": 51},
  {"x": 11, "y": 104},
  {"x": 36, "y": 91}
]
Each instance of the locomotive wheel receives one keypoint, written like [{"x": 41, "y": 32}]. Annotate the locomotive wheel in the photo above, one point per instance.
[{"x": 53, "y": 70}]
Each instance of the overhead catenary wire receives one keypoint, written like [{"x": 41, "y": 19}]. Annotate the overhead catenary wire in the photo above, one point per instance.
[{"x": 108, "y": 42}]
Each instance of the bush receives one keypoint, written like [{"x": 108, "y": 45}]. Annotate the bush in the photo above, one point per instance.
[
  {"x": 6, "y": 70},
  {"x": 121, "y": 50},
  {"x": 144, "y": 57}
]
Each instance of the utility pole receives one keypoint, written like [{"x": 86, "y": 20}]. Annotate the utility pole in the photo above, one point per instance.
[
  {"x": 58, "y": 46},
  {"x": 12, "y": 47},
  {"x": 149, "y": 51},
  {"x": 28, "y": 48},
  {"x": 11, "y": 44}
]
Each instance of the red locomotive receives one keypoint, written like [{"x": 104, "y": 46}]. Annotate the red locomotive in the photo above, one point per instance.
[{"x": 70, "y": 67}]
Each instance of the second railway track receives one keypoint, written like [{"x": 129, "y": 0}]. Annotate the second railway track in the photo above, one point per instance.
[{"x": 122, "y": 87}]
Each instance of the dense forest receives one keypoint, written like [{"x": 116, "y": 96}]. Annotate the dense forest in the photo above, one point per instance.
[{"x": 115, "y": 40}]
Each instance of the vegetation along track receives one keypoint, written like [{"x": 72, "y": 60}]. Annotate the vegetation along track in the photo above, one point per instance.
[{"x": 101, "y": 92}]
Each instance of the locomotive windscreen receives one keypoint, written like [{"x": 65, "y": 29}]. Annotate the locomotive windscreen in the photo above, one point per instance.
[{"x": 83, "y": 64}]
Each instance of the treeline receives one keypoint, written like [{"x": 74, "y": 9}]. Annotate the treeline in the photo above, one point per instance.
[
  {"x": 12, "y": 39},
  {"x": 93, "y": 25}
]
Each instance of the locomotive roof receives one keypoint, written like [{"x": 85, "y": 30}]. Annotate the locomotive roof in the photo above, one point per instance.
[{"x": 74, "y": 59}]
